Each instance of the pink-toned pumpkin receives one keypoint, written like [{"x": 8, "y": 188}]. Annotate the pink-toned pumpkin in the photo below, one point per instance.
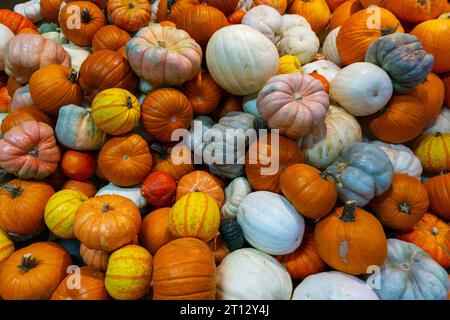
[
  {"x": 26, "y": 53},
  {"x": 29, "y": 150},
  {"x": 21, "y": 98},
  {"x": 294, "y": 103},
  {"x": 164, "y": 55}
]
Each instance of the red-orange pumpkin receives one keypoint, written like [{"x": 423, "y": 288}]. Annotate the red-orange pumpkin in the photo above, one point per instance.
[
  {"x": 14, "y": 21},
  {"x": 50, "y": 9},
  {"x": 87, "y": 187},
  {"x": 159, "y": 188},
  {"x": 78, "y": 165},
  {"x": 203, "y": 93},
  {"x": 110, "y": 37}
]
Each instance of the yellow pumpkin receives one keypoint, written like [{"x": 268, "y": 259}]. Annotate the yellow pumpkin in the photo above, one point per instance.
[
  {"x": 6, "y": 246},
  {"x": 115, "y": 111},
  {"x": 433, "y": 152},
  {"x": 60, "y": 212},
  {"x": 129, "y": 273},
  {"x": 195, "y": 214},
  {"x": 289, "y": 64}
]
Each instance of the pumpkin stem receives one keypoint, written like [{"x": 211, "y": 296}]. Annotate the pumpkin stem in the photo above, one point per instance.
[
  {"x": 422, "y": 2},
  {"x": 434, "y": 231},
  {"x": 443, "y": 172},
  {"x": 105, "y": 207},
  {"x": 385, "y": 32},
  {"x": 13, "y": 191},
  {"x": 72, "y": 76},
  {"x": 298, "y": 97},
  {"x": 348, "y": 214},
  {"x": 130, "y": 5},
  {"x": 162, "y": 44},
  {"x": 160, "y": 150},
  {"x": 85, "y": 17},
  {"x": 170, "y": 3},
  {"x": 28, "y": 262},
  {"x": 404, "y": 207},
  {"x": 334, "y": 177},
  {"x": 438, "y": 134},
  {"x": 34, "y": 152},
  {"x": 129, "y": 103}
]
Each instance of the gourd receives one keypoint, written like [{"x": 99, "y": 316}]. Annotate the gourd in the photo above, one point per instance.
[
  {"x": 235, "y": 193},
  {"x": 53, "y": 32},
  {"x": 30, "y": 10},
  {"x": 232, "y": 235},
  {"x": 132, "y": 193},
  {"x": 289, "y": 64}
]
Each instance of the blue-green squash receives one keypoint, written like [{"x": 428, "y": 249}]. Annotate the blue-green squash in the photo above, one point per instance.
[{"x": 232, "y": 234}]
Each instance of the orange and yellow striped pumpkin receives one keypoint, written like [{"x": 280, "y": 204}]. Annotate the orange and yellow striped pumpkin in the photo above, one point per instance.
[
  {"x": 433, "y": 152},
  {"x": 129, "y": 273},
  {"x": 115, "y": 111},
  {"x": 60, "y": 212},
  {"x": 195, "y": 214},
  {"x": 6, "y": 246},
  {"x": 201, "y": 181}
]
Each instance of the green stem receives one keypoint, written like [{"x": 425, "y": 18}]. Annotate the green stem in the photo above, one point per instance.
[
  {"x": 160, "y": 150},
  {"x": 14, "y": 191}
]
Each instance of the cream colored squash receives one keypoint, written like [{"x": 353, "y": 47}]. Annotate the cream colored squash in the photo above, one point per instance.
[
  {"x": 30, "y": 10},
  {"x": 442, "y": 123},
  {"x": 325, "y": 68},
  {"x": 5, "y": 35},
  {"x": 77, "y": 54},
  {"x": 329, "y": 48},
  {"x": 235, "y": 193},
  {"x": 132, "y": 193},
  {"x": 265, "y": 19}
]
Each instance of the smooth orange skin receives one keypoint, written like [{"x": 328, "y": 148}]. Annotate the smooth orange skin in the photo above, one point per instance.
[{"x": 154, "y": 232}]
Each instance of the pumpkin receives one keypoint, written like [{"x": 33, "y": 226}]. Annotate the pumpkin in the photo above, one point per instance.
[
  {"x": 240, "y": 59},
  {"x": 27, "y": 113},
  {"x": 203, "y": 93},
  {"x": 131, "y": 193},
  {"x": 447, "y": 90},
  {"x": 218, "y": 248},
  {"x": 402, "y": 56},
  {"x": 247, "y": 274},
  {"x": 80, "y": 20},
  {"x": 265, "y": 175},
  {"x": 322, "y": 79},
  {"x": 168, "y": 161},
  {"x": 279, "y": 5},
  {"x": 339, "y": 130},
  {"x": 5, "y": 100},
  {"x": 100, "y": 3},
  {"x": 5, "y": 35},
  {"x": 229, "y": 103},
  {"x": 226, "y": 6},
  {"x": 361, "y": 30},
  {"x": 130, "y": 15},
  {"x": 6, "y": 246},
  {"x": 154, "y": 232},
  {"x": 265, "y": 19},
  {"x": 107, "y": 222},
  {"x": 294, "y": 103},
  {"x": 15, "y": 21},
  {"x": 442, "y": 123},
  {"x": 334, "y": 4},
  {"x": 316, "y": 12},
  {"x": 270, "y": 223},
  {"x": 55, "y": 86},
  {"x": 350, "y": 240},
  {"x": 196, "y": 214},
  {"x": 78, "y": 165},
  {"x": 289, "y": 64},
  {"x": 333, "y": 285},
  {"x": 329, "y": 48},
  {"x": 29, "y": 150},
  {"x": 34, "y": 272},
  {"x": 129, "y": 273},
  {"x": 438, "y": 188},
  {"x": 235, "y": 193},
  {"x": 106, "y": 69},
  {"x": 431, "y": 94},
  {"x": 159, "y": 188},
  {"x": 231, "y": 234},
  {"x": 109, "y": 37},
  {"x": 156, "y": 46},
  {"x": 361, "y": 172},
  {"x": 416, "y": 11},
  {"x": 164, "y": 111},
  {"x": 190, "y": 278},
  {"x": 343, "y": 12},
  {"x": 432, "y": 151},
  {"x": 95, "y": 259},
  {"x": 410, "y": 274},
  {"x": 40, "y": 53},
  {"x": 92, "y": 286},
  {"x": 87, "y": 187},
  {"x": 200, "y": 181},
  {"x": 432, "y": 235},
  {"x": 30, "y": 9},
  {"x": 361, "y": 88},
  {"x": 21, "y": 98},
  {"x": 50, "y": 9},
  {"x": 324, "y": 68},
  {"x": 77, "y": 55}
]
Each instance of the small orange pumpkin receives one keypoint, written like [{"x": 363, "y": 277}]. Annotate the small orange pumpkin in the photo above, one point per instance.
[
  {"x": 343, "y": 12},
  {"x": 164, "y": 161},
  {"x": 130, "y": 15},
  {"x": 155, "y": 231},
  {"x": 203, "y": 93},
  {"x": 438, "y": 188},
  {"x": 316, "y": 12},
  {"x": 201, "y": 181},
  {"x": 27, "y": 113},
  {"x": 95, "y": 259},
  {"x": 110, "y": 37},
  {"x": 87, "y": 187}
]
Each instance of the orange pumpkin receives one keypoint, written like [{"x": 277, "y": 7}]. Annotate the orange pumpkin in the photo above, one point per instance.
[
  {"x": 110, "y": 37},
  {"x": 203, "y": 93},
  {"x": 279, "y": 5},
  {"x": 15, "y": 21},
  {"x": 334, "y": 4},
  {"x": 154, "y": 232},
  {"x": 165, "y": 10},
  {"x": 167, "y": 23},
  {"x": 87, "y": 187},
  {"x": 5, "y": 100},
  {"x": 321, "y": 78},
  {"x": 237, "y": 16},
  {"x": 316, "y": 12},
  {"x": 343, "y": 12},
  {"x": 415, "y": 11},
  {"x": 218, "y": 248},
  {"x": 164, "y": 161},
  {"x": 125, "y": 161},
  {"x": 99, "y": 3},
  {"x": 201, "y": 181},
  {"x": 28, "y": 30},
  {"x": 95, "y": 259},
  {"x": 433, "y": 152},
  {"x": 12, "y": 85},
  {"x": 78, "y": 165},
  {"x": 438, "y": 188},
  {"x": 27, "y": 113},
  {"x": 228, "y": 104},
  {"x": 226, "y": 6},
  {"x": 50, "y": 9},
  {"x": 447, "y": 90},
  {"x": 130, "y": 15}
]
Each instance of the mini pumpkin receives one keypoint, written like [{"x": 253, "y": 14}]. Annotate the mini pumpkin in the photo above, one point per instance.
[
  {"x": 165, "y": 161},
  {"x": 155, "y": 231},
  {"x": 27, "y": 113},
  {"x": 200, "y": 181},
  {"x": 159, "y": 188},
  {"x": 95, "y": 259},
  {"x": 203, "y": 93},
  {"x": 78, "y": 165},
  {"x": 130, "y": 15},
  {"x": 86, "y": 187},
  {"x": 110, "y": 37},
  {"x": 433, "y": 152}
]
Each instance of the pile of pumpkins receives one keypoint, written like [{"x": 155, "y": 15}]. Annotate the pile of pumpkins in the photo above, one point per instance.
[{"x": 92, "y": 192}]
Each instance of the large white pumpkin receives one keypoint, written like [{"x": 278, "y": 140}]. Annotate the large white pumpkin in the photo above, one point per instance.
[
  {"x": 339, "y": 130},
  {"x": 30, "y": 10},
  {"x": 249, "y": 274},
  {"x": 132, "y": 193},
  {"x": 361, "y": 88},
  {"x": 333, "y": 285},
  {"x": 270, "y": 223},
  {"x": 442, "y": 123},
  {"x": 266, "y": 20},
  {"x": 325, "y": 68},
  {"x": 241, "y": 59},
  {"x": 5, "y": 35},
  {"x": 77, "y": 54},
  {"x": 329, "y": 48}
]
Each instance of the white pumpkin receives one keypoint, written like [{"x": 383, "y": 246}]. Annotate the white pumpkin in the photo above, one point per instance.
[
  {"x": 5, "y": 35},
  {"x": 21, "y": 98},
  {"x": 132, "y": 193},
  {"x": 266, "y": 20},
  {"x": 402, "y": 158},
  {"x": 30, "y": 10},
  {"x": 270, "y": 223},
  {"x": 361, "y": 88},
  {"x": 325, "y": 68},
  {"x": 77, "y": 54},
  {"x": 241, "y": 59},
  {"x": 442, "y": 123},
  {"x": 249, "y": 274},
  {"x": 339, "y": 130},
  {"x": 329, "y": 48},
  {"x": 333, "y": 285},
  {"x": 235, "y": 193}
]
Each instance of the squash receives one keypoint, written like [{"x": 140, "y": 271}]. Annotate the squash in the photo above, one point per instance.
[
  {"x": 110, "y": 37},
  {"x": 95, "y": 259},
  {"x": 77, "y": 55},
  {"x": 265, "y": 19},
  {"x": 129, "y": 273},
  {"x": 203, "y": 93},
  {"x": 289, "y": 64},
  {"x": 168, "y": 161},
  {"x": 200, "y": 181},
  {"x": 6, "y": 246},
  {"x": 154, "y": 232},
  {"x": 50, "y": 9},
  {"x": 438, "y": 188},
  {"x": 351, "y": 240},
  {"x": 27, "y": 113},
  {"x": 329, "y": 48},
  {"x": 231, "y": 234},
  {"x": 5, "y": 35},
  {"x": 235, "y": 193},
  {"x": 159, "y": 188},
  {"x": 402, "y": 56},
  {"x": 410, "y": 274},
  {"x": 416, "y": 11},
  {"x": 333, "y": 285},
  {"x": 30, "y": 9},
  {"x": 107, "y": 222},
  {"x": 270, "y": 223},
  {"x": 247, "y": 274},
  {"x": 131, "y": 193},
  {"x": 86, "y": 187},
  {"x": 343, "y": 13},
  {"x": 324, "y": 68},
  {"x": 130, "y": 15},
  {"x": 361, "y": 88},
  {"x": 156, "y": 46},
  {"x": 316, "y": 12},
  {"x": 432, "y": 151},
  {"x": 240, "y": 59},
  {"x": 15, "y": 21},
  {"x": 184, "y": 269}
]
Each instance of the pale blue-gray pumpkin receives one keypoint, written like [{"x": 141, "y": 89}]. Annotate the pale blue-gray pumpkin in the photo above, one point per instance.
[
  {"x": 409, "y": 274},
  {"x": 402, "y": 56},
  {"x": 232, "y": 234},
  {"x": 76, "y": 130},
  {"x": 361, "y": 172}
]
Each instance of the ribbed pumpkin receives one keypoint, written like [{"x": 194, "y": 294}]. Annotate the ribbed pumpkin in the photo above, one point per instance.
[
  {"x": 201, "y": 181},
  {"x": 95, "y": 259},
  {"x": 15, "y": 21},
  {"x": 203, "y": 93},
  {"x": 415, "y": 11},
  {"x": 86, "y": 187},
  {"x": 5, "y": 100},
  {"x": 130, "y": 15},
  {"x": 115, "y": 111},
  {"x": 125, "y": 161},
  {"x": 155, "y": 231},
  {"x": 195, "y": 214},
  {"x": 50, "y": 9},
  {"x": 433, "y": 236},
  {"x": 232, "y": 234},
  {"x": 6, "y": 246},
  {"x": 316, "y": 12},
  {"x": 438, "y": 188},
  {"x": 228, "y": 104},
  {"x": 78, "y": 165},
  {"x": 343, "y": 12},
  {"x": 164, "y": 162},
  {"x": 334, "y": 4},
  {"x": 129, "y": 273},
  {"x": 447, "y": 90},
  {"x": 159, "y": 189},
  {"x": 91, "y": 286},
  {"x": 184, "y": 269},
  {"x": 433, "y": 152},
  {"x": 351, "y": 239},
  {"x": 27, "y": 113},
  {"x": 107, "y": 222},
  {"x": 312, "y": 193},
  {"x": 110, "y": 37}
]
